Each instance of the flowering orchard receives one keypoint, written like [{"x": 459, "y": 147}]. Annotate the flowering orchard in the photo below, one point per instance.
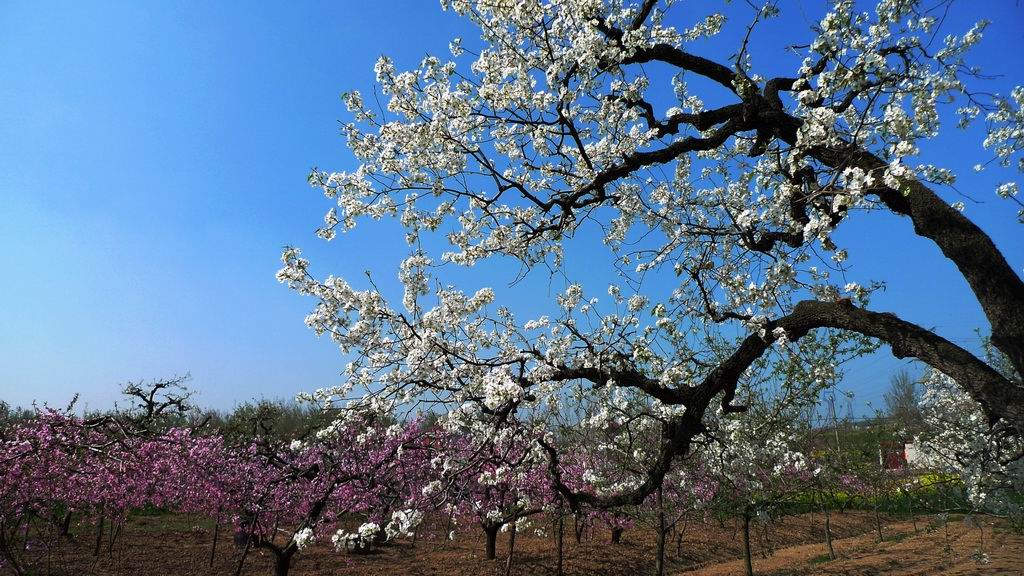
[
  {"x": 355, "y": 486},
  {"x": 627, "y": 406}
]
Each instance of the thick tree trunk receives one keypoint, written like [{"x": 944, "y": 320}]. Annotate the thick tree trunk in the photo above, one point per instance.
[
  {"x": 283, "y": 561},
  {"x": 995, "y": 284},
  {"x": 1000, "y": 397},
  {"x": 491, "y": 532},
  {"x": 65, "y": 525},
  {"x": 616, "y": 535},
  {"x": 659, "y": 559}
]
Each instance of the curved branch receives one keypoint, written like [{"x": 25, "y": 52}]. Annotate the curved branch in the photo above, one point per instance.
[{"x": 1001, "y": 398}]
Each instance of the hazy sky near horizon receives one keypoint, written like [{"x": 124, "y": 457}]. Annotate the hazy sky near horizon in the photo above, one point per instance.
[{"x": 153, "y": 159}]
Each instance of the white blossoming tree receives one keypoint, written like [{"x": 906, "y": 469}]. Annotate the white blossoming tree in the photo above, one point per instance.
[
  {"x": 988, "y": 460},
  {"x": 577, "y": 115}
]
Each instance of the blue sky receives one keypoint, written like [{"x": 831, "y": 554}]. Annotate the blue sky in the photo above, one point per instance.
[{"x": 153, "y": 160}]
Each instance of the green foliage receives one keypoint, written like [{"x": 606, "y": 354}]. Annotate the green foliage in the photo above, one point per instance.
[
  {"x": 9, "y": 414},
  {"x": 273, "y": 419}
]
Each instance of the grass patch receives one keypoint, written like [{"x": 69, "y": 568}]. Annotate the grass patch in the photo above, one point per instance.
[
  {"x": 898, "y": 537},
  {"x": 820, "y": 559}
]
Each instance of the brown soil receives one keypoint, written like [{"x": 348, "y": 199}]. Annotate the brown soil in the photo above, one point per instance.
[
  {"x": 905, "y": 552},
  {"x": 180, "y": 545}
]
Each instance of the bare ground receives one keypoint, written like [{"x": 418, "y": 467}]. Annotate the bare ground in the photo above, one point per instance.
[{"x": 180, "y": 545}]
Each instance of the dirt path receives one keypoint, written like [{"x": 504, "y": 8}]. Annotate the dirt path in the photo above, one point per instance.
[{"x": 903, "y": 553}]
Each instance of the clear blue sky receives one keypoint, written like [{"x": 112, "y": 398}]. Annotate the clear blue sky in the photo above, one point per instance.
[{"x": 153, "y": 160}]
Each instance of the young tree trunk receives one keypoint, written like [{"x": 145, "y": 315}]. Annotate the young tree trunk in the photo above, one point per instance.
[
  {"x": 578, "y": 526},
  {"x": 561, "y": 542},
  {"x": 878, "y": 521},
  {"x": 99, "y": 535},
  {"x": 511, "y": 549},
  {"x": 491, "y": 531},
  {"x": 748, "y": 566},
  {"x": 248, "y": 545},
  {"x": 659, "y": 563},
  {"x": 910, "y": 506},
  {"x": 216, "y": 534},
  {"x": 616, "y": 535},
  {"x": 448, "y": 528},
  {"x": 659, "y": 559},
  {"x": 115, "y": 531},
  {"x": 828, "y": 534}
]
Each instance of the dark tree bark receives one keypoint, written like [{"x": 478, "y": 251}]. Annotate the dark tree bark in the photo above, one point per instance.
[
  {"x": 65, "y": 525},
  {"x": 115, "y": 531},
  {"x": 216, "y": 534},
  {"x": 99, "y": 536},
  {"x": 659, "y": 554},
  {"x": 579, "y": 525},
  {"x": 283, "y": 560},
  {"x": 491, "y": 532},
  {"x": 248, "y": 544}
]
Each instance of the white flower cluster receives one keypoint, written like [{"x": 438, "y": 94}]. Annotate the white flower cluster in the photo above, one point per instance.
[
  {"x": 303, "y": 538},
  {"x": 361, "y": 539},
  {"x": 500, "y": 389},
  {"x": 403, "y": 523}
]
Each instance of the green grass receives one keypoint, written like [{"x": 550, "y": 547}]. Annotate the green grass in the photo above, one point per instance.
[{"x": 820, "y": 559}]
